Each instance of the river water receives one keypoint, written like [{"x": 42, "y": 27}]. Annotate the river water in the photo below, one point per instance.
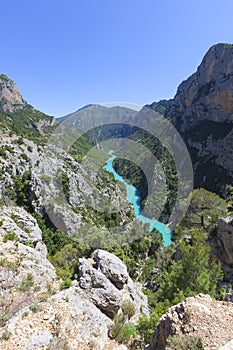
[{"x": 133, "y": 197}]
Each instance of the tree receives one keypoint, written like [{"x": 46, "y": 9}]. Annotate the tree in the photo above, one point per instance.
[
  {"x": 204, "y": 210},
  {"x": 193, "y": 273}
]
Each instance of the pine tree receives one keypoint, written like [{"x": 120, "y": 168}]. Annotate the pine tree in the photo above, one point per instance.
[{"x": 193, "y": 273}]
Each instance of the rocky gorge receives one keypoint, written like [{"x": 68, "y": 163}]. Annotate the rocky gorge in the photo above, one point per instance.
[{"x": 65, "y": 286}]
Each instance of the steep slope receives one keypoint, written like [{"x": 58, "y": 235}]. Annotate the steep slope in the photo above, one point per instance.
[
  {"x": 31, "y": 161},
  {"x": 202, "y": 111}
]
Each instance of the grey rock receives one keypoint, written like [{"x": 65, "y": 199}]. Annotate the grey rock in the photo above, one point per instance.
[
  {"x": 112, "y": 267},
  {"x": 28, "y": 252},
  {"x": 208, "y": 93},
  {"x": 38, "y": 341},
  {"x": 66, "y": 320},
  {"x": 199, "y": 316},
  {"x": 101, "y": 291},
  {"x": 222, "y": 245},
  {"x": 109, "y": 287}
]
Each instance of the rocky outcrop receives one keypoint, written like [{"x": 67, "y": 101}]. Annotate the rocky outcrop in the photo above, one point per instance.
[
  {"x": 64, "y": 321},
  {"x": 202, "y": 111},
  {"x": 112, "y": 267},
  {"x": 25, "y": 272},
  {"x": 35, "y": 314},
  {"x": 200, "y": 317},
  {"x": 10, "y": 97},
  {"x": 105, "y": 280},
  {"x": 207, "y": 94},
  {"x": 101, "y": 291},
  {"x": 222, "y": 245}
]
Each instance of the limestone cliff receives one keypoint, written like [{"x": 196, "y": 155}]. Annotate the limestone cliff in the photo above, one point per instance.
[
  {"x": 10, "y": 97},
  {"x": 40, "y": 167},
  {"x": 206, "y": 94},
  {"x": 202, "y": 111},
  {"x": 222, "y": 245}
]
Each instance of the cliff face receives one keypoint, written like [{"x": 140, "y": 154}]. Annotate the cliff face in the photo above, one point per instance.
[
  {"x": 222, "y": 245},
  {"x": 10, "y": 96},
  {"x": 199, "y": 317},
  {"x": 202, "y": 111},
  {"x": 207, "y": 94}
]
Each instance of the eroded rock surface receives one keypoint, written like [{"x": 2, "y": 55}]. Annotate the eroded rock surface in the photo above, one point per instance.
[
  {"x": 10, "y": 96},
  {"x": 199, "y": 316},
  {"x": 106, "y": 281},
  {"x": 222, "y": 245}
]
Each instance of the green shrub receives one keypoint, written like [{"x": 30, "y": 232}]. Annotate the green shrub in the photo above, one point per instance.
[
  {"x": 185, "y": 342},
  {"x": 122, "y": 331},
  {"x": 128, "y": 308},
  {"x": 146, "y": 326},
  {"x": 35, "y": 308},
  {"x": 9, "y": 236},
  {"x": 6, "y": 316},
  {"x": 66, "y": 283},
  {"x": 126, "y": 332},
  {"x": 28, "y": 244},
  {"x": 6, "y": 335},
  {"x": 27, "y": 283}
]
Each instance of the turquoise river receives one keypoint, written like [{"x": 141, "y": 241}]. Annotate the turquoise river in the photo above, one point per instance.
[{"x": 133, "y": 197}]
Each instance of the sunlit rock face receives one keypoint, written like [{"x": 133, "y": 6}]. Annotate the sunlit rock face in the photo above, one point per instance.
[{"x": 10, "y": 97}]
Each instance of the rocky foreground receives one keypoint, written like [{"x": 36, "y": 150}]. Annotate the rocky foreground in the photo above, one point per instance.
[
  {"x": 199, "y": 316},
  {"x": 36, "y": 314}
]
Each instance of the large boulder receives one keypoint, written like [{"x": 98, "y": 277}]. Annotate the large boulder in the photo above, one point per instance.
[
  {"x": 101, "y": 291},
  {"x": 105, "y": 279},
  {"x": 111, "y": 266}
]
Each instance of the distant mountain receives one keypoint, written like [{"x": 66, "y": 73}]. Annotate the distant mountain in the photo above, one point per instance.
[
  {"x": 100, "y": 114},
  {"x": 202, "y": 111}
]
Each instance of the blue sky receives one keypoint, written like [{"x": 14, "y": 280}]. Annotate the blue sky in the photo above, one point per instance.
[{"x": 64, "y": 54}]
